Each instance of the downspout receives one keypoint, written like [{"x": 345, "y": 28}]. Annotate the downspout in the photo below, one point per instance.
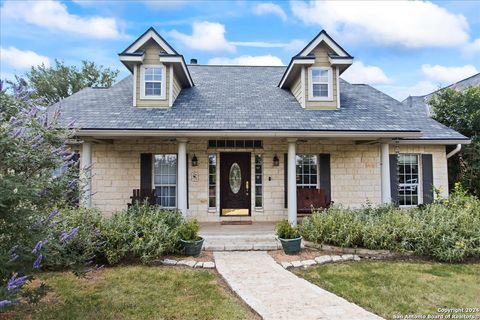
[{"x": 454, "y": 151}]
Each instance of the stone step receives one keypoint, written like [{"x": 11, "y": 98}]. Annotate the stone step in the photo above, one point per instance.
[{"x": 240, "y": 246}]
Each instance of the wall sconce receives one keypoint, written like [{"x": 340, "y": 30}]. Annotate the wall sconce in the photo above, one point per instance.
[
  {"x": 194, "y": 160},
  {"x": 276, "y": 161}
]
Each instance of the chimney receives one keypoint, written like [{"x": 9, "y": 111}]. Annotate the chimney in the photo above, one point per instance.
[{"x": 193, "y": 61}]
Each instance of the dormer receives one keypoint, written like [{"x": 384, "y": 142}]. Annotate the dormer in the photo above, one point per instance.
[
  {"x": 313, "y": 75},
  {"x": 159, "y": 72}
]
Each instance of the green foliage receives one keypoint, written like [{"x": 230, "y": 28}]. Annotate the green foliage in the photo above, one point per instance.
[
  {"x": 51, "y": 84},
  {"x": 142, "y": 231},
  {"x": 86, "y": 244},
  {"x": 460, "y": 110},
  {"x": 189, "y": 231},
  {"x": 447, "y": 230},
  {"x": 285, "y": 230}
]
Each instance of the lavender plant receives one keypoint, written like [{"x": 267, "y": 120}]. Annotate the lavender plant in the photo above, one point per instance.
[{"x": 32, "y": 147}]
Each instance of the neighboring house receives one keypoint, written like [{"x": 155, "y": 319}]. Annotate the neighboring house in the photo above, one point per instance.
[
  {"x": 235, "y": 142},
  {"x": 420, "y": 103}
]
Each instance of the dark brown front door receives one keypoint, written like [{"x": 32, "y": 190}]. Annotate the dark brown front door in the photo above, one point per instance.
[{"x": 235, "y": 186}]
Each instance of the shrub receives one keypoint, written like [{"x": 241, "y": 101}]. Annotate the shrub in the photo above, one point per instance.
[
  {"x": 189, "y": 231},
  {"x": 285, "y": 230},
  {"x": 82, "y": 248},
  {"x": 142, "y": 231},
  {"x": 447, "y": 230}
]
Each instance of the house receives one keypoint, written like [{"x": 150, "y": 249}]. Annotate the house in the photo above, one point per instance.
[
  {"x": 420, "y": 103},
  {"x": 227, "y": 143}
]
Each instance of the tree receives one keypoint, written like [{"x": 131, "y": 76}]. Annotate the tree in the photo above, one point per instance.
[
  {"x": 460, "y": 110},
  {"x": 51, "y": 84}
]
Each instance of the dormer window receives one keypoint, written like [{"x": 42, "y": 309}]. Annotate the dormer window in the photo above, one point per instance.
[
  {"x": 320, "y": 83},
  {"x": 153, "y": 82}
]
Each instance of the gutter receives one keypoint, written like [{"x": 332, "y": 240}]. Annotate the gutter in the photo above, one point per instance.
[
  {"x": 454, "y": 151},
  {"x": 248, "y": 133}
]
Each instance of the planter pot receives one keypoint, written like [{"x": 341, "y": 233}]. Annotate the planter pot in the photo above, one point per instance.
[
  {"x": 291, "y": 246},
  {"x": 192, "y": 247}
]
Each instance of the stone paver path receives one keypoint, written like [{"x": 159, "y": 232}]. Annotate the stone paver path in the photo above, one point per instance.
[{"x": 276, "y": 293}]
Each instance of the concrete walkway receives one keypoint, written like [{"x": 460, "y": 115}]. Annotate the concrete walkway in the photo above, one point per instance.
[{"x": 276, "y": 293}]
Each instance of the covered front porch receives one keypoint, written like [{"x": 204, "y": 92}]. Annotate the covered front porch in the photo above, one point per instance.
[{"x": 243, "y": 178}]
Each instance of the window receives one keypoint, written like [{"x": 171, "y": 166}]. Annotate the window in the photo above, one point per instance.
[
  {"x": 241, "y": 144},
  {"x": 212, "y": 181},
  {"x": 153, "y": 82},
  {"x": 307, "y": 171},
  {"x": 258, "y": 181},
  {"x": 408, "y": 180},
  {"x": 320, "y": 80},
  {"x": 165, "y": 179}
]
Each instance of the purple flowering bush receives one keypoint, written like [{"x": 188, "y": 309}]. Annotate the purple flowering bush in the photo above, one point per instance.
[{"x": 33, "y": 146}]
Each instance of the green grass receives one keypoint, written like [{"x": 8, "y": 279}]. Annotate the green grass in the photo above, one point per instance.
[
  {"x": 390, "y": 288},
  {"x": 138, "y": 292}
]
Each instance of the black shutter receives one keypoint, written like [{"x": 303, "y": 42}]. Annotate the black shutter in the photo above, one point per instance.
[
  {"x": 285, "y": 179},
  {"x": 324, "y": 161},
  {"x": 427, "y": 177},
  {"x": 145, "y": 173},
  {"x": 394, "y": 178}
]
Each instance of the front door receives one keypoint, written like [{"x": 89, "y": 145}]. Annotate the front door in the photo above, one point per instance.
[{"x": 235, "y": 187}]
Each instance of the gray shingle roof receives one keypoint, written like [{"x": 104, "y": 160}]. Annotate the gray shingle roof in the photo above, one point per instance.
[
  {"x": 245, "y": 98},
  {"x": 420, "y": 103}
]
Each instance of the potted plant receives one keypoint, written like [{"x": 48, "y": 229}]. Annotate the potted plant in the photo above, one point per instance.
[
  {"x": 289, "y": 237},
  {"x": 191, "y": 242}
]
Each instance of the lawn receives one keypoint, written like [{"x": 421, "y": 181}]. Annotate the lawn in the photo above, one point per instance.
[
  {"x": 138, "y": 292},
  {"x": 390, "y": 288}
]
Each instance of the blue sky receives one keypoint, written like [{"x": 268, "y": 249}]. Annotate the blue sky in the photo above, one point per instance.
[{"x": 400, "y": 48}]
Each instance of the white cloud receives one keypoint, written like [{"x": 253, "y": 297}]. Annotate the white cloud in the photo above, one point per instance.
[
  {"x": 269, "y": 8},
  {"x": 448, "y": 75},
  {"x": 411, "y": 24},
  {"x": 267, "y": 60},
  {"x": 292, "y": 46},
  {"x": 19, "y": 59},
  {"x": 420, "y": 88},
  {"x": 206, "y": 36},
  {"x": 361, "y": 73},
  {"x": 54, "y": 15},
  {"x": 472, "y": 48}
]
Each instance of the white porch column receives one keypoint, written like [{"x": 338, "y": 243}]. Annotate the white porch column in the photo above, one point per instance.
[
  {"x": 385, "y": 167},
  {"x": 182, "y": 177},
  {"x": 292, "y": 182},
  {"x": 87, "y": 173}
]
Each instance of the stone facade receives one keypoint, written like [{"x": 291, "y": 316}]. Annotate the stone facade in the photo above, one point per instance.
[{"x": 355, "y": 173}]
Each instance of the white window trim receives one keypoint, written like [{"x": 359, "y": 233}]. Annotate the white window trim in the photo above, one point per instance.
[
  {"x": 142, "y": 81},
  {"x": 212, "y": 209},
  {"x": 318, "y": 169},
  {"x": 330, "y": 84},
  {"x": 420, "y": 182},
  {"x": 154, "y": 185}
]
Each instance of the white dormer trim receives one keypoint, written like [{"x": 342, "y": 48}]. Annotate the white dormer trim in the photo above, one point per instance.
[
  {"x": 294, "y": 63},
  {"x": 170, "y": 87},
  {"x": 142, "y": 82},
  {"x": 302, "y": 81},
  {"x": 330, "y": 84},
  {"x": 178, "y": 59},
  {"x": 325, "y": 38},
  {"x": 150, "y": 34},
  {"x": 132, "y": 58},
  {"x": 338, "y": 87},
  {"x": 135, "y": 85},
  {"x": 343, "y": 61}
]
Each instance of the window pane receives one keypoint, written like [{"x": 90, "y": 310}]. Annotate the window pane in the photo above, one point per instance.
[
  {"x": 319, "y": 75},
  {"x": 408, "y": 187},
  {"x": 153, "y": 74},
  {"x": 153, "y": 88},
  {"x": 165, "y": 179},
  {"x": 258, "y": 180},
  {"x": 212, "y": 180}
]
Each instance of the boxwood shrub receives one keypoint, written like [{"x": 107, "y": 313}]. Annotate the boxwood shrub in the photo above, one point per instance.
[{"x": 447, "y": 230}]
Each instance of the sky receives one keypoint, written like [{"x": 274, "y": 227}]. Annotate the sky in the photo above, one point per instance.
[{"x": 400, "y": 48}]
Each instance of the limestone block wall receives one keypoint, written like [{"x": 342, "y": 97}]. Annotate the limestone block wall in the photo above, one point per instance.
[{"x": 355, "y": 173}]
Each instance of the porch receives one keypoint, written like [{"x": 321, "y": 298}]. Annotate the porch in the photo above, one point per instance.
[{"x": 195, "y": 174}]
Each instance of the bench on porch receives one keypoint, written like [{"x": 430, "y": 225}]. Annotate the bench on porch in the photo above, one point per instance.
[
  {"x": 140, "y": 195},
  {"x": 309, "y": 199}
]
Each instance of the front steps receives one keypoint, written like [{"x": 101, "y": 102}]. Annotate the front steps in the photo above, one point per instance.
[{"x": 257, "y": 236}]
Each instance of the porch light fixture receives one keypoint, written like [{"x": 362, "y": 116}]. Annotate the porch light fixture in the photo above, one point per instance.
[
  {"x": 194, "y": 160},
  {"x": 276, "y": 161}
]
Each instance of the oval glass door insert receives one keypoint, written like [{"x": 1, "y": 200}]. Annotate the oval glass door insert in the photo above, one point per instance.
[{"x": 235, "y": 178}]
